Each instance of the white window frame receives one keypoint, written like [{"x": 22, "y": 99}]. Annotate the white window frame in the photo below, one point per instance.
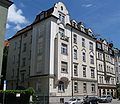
[
  {"x": 64, "y": 49},
  {"x": 64, "y": 67}
]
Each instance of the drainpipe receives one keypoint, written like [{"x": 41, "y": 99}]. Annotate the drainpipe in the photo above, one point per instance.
[
  {"x": 71, "y": 62},
  {"x": 18, "y": 69}
]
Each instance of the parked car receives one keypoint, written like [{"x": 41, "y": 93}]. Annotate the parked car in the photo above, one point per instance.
[
  {"x": 105, "y": 98},
  {"x": 74, "y": 101},
  {"x": 91, "y": 100}
]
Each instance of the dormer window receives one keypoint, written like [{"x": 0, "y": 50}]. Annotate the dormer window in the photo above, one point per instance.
[
  {"x": 61, "y": 18},
  {"x": 61, "y": 32},
  {"x": 82, "y": 28},
  {"x": 62, "y": 8},
  {"x": 110, "y": 51},
  {"x": 74, "y": 23},
  {"x": 90, "y": 32},
  {"x": 99, "y": 46}
]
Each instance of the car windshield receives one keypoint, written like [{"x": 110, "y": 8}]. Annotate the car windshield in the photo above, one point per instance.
[
  {"x": 103, "y": 96},
  {"x": 72, "y": 99}
]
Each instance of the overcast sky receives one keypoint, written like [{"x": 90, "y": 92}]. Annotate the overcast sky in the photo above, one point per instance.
[{"x": 102, "y": 16}]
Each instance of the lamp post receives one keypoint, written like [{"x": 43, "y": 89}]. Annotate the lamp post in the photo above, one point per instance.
[{"x": 4, "y": 88}]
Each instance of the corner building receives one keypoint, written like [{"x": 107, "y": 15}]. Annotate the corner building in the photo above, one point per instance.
[
  {"x": 4, "y": 5},
  {"x": 106, "y": 68},
  {"x": 62, "y": 53}
]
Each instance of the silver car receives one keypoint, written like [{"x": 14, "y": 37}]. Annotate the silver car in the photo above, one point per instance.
[
  {"x": 105, "y": 98},
  {"x": 75, "y": 101}
]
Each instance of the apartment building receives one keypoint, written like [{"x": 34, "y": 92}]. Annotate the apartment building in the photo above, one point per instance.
[
  {"x": 54, "y": 55},
  {"x": 105, "y": 68},
  {"x": 4, "y": 5},
  {"x": 117, "y": 65}
]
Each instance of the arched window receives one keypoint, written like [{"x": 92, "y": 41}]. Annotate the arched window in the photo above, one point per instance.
[
  {"x": 61, "y": 86},
  {"x": 84, "y": 56},
  {"x": 61, "y": 7}
]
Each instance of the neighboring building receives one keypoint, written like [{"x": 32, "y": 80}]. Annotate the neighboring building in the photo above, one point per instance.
[
  {"x": 4, "y": 62},
  {"x": 55, "y": 56},
  {"x": 105, "y": 68},
  {"x": 4, "y": 4},
  {"x": 117, "y": 65}
]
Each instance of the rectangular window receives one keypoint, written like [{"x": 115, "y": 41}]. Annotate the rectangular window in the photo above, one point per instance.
[
  {"x": 84, "y": 87},
  {"x": 15, "y": 45},
  {"x": 24, "y": 47},
  {"x": 91, "y": 45},
  {"x": 23, "y": 62},
  {"x": 75, "y": 87},
  {"x": 83, "y": 42},
  {"x": 64, "y": 67},
  {"x": 101, "y": 68},
  {"x": 107, "y": 69},
  {"x": 84, "y": 71},
  {"x": 12, "y": 73},
  {"x": 93, "y": 88},
  {"x": 101, "y": 79},
  {"x": 62, "y": 18},
  {"x": 40, "y": 48},
  {"x": 25, "y": 35},
  {"x": 75, "y": 39},
  {"x": 62, "y": 100},
  {"x": 92, "y": 73},
  {"x": 22, "y": 77},
  {"x": 61, "y": 32},
  {"x": 64, "y": 49},
  {"x": 61, "y": 86},
  {"x": 91, "y": 59},
  {"x": 112, "y": 80},
  {"x": 13, "y": 59},
  {"x": 107, "y": 81},
  {"x": 84, "y": 57},
  {"x": 75, "y": 70},
  {"x": 75, "y": 54},
  {"x": 99, "y": 46},
  {"x": 101, "y": 56}
]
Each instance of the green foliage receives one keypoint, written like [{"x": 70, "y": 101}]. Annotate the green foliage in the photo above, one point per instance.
[{"x": 29, "y": 91}]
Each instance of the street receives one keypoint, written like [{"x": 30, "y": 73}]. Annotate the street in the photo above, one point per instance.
[{"x": 114, "y": 101}]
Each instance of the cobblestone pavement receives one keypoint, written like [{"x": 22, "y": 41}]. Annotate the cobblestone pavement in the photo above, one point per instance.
[{"x": 114, "y": 101}]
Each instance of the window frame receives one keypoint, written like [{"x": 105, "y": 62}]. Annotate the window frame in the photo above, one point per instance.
[
  {"x": 61, "y": 86},
  {"x": 64, "y": 49},
  {"x": 84, "y": 71},
  {"x": 64, "y": 66},
  {"x": 76, "y": 87}
]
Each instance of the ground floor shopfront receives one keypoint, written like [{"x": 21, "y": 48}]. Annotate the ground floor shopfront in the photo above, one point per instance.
[{"x": 106, "y": 89}]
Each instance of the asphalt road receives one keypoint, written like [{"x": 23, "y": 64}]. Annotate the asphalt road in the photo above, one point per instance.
[{"x": 114, "y": 101}]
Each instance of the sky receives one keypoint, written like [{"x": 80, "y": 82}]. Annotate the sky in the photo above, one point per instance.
[{"x": 102, "y": 16}]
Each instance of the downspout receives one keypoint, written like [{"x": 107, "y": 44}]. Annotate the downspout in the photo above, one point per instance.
[
  {"x": 71, "y": 63},
  {"x": 18, "y": 69}
]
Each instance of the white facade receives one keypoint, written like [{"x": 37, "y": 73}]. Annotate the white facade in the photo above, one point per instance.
[
  {"x": 117, "y": 65},
  {"x": 105, "y": 68},
  {"x": 63, "y": 57}
]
